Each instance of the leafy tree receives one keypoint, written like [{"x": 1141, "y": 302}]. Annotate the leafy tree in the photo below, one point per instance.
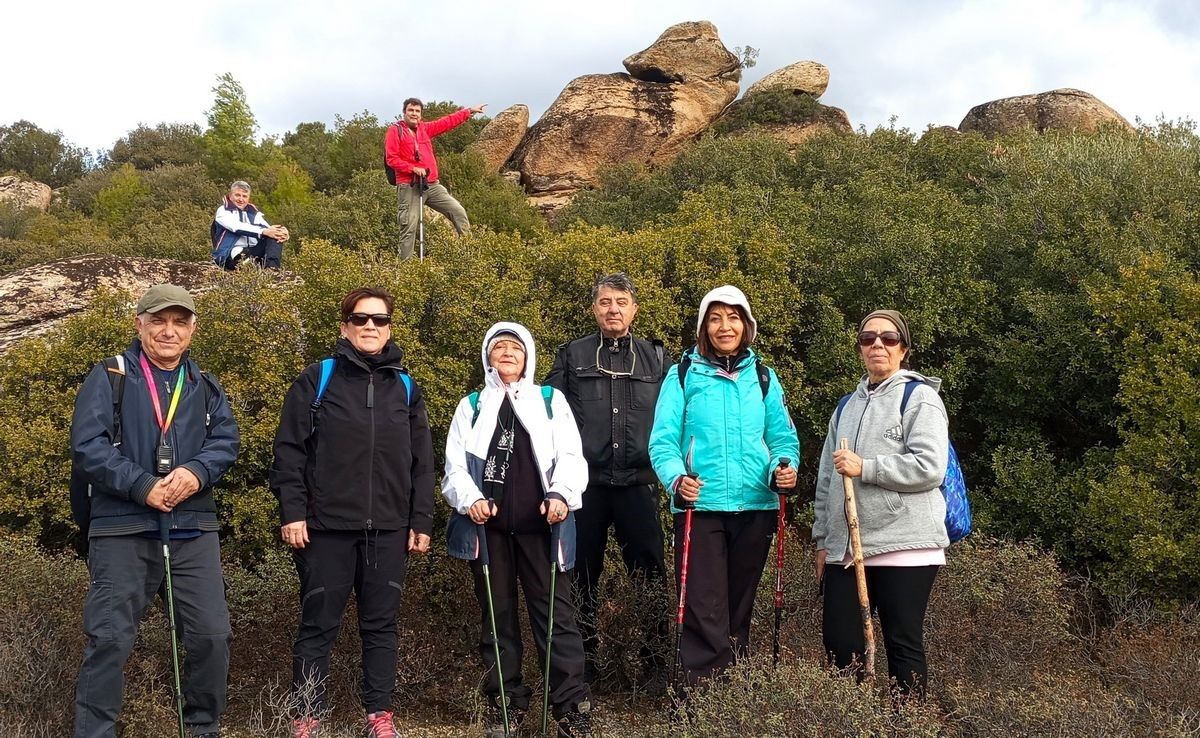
[
  {"x": 166, "y": 143},
  {"x": 230, "y": 151},
  {"x": 40, "y": 155},
  {"x": 125, "y": 201},
  {"x": 309, "y": 146},
  {"x": 284, "y": 190}
]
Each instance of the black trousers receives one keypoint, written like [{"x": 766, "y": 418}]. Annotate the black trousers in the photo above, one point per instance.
[
  {"x": 727, "y": 555},
  {"x": 268, "y": 253},
  {"x": 372, "y": 564},
  {"x": 126, "y": 572},
  {"x": 526, "y": 557},
  {"x": 900, "y": 594},
  {"x": 632, "y": 512}
]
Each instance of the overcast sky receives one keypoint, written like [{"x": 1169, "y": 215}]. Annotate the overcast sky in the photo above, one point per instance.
[{"x": 94, "y": 70}]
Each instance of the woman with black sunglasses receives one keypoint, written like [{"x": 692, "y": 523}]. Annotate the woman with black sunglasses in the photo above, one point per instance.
[
  {"x": 354, "y": 475},
  {"x": 898, "y": 451}
]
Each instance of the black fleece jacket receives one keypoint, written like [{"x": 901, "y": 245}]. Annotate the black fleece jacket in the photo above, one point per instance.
[{"x": 364, "y": 459}]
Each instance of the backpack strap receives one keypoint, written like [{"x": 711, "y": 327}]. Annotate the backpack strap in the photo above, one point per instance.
[
  {"x": 909, "y": 387},
  {"x": 327, "y": 365},
  {"x": 685, "y": 363},
  {"x": 764, "y": 376},
  {"x": 115, "y": 367},
  {"x": 547, "y": 397},
  {"x": 406, "y": 380},
  {"x": 841, "y": 406},
  {"x": 474, "y": 398}
]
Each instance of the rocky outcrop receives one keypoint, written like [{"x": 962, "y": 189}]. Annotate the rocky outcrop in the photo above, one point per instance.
[
  {"x": 23, "y": 193},
  {"x": 38, "y": 298},
  {"x": 784, "y": 105},
  {"x": 672, "y": 93},
  {"x": 1064, "y": 110},
  {"x": 500, "y": 137},
  {"x": 809, "y": 77}
]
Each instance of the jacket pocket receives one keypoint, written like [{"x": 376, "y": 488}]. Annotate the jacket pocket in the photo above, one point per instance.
[{"x": 877, "y": 506}]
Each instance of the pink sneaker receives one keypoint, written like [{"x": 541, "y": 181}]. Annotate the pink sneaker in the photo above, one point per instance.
[
  {"x": 305, "y": 727},
  {"x": 379, "y": 725}
]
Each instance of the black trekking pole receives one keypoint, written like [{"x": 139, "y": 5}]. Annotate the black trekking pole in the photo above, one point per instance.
[
  {"x": 554, "y": 534},
  {"x": 165, "y": 535},
  {"x": 485, "y": 562},
  {"x": 780, "y": 531},
  {"x": 422, "y": 185}
]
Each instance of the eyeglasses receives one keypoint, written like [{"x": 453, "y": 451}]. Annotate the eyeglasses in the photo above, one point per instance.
[
  {"x": 358, "y": 320},
  {"x": 609, "y": 372},
  {"x": 891, "y": 339}
]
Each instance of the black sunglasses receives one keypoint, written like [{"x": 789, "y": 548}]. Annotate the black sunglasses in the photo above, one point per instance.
[
  {"x": 360, "y": 319},
  {"x": 891, "y": 339}
]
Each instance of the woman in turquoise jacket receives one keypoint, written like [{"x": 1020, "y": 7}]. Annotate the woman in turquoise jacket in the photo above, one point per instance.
[{"x": 720, "y": 431}]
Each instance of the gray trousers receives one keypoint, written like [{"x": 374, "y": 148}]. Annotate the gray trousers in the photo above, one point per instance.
[
  {"x": 126, "y": 572},
  {"x": 408, "y": 213}
]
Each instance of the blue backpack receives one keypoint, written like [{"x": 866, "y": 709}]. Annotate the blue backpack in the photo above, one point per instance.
[
  {"x": 954, "y": 485},
  {"x": 327, "y": 366},
  {"x": 547, "y": 397}
]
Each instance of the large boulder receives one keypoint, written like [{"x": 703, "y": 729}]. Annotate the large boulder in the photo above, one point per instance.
[
  {"x": 499, "y": 138},
  {"x": 1064, "y": 110},
  {"x": 23, "y": 193},
  {"x": 674, "y": 91},
  {"x": 38, "y": 298},
  {"x": 808, "y": 77},
  {"x": 784, "y": 113}
]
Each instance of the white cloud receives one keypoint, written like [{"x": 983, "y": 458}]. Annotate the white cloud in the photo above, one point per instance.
[{"x": 95, "y": 70}]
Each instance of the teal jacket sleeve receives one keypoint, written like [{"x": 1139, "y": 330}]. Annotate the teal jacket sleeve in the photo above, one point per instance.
[
  {"x": 779, "y": 431},
  {"x": 666, "y": 435}
]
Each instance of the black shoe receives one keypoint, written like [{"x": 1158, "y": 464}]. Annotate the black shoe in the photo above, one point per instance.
[
  {"x": 494, "y": 721},
  {"x": 576, "y": 723}
]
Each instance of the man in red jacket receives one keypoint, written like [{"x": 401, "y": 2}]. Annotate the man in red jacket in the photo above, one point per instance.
[{"x": 408, "y": 151}]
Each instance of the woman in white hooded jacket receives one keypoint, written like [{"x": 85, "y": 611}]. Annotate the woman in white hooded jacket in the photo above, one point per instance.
[{"x": 515, "y": 471}]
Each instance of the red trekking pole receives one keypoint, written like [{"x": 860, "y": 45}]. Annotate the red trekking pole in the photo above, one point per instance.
[
  {"x": 780, "y": 530},
  {"x": 688, "y": 509}
]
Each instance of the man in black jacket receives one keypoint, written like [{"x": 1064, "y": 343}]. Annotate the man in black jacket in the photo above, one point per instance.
[
  {"x": 150, "y": 455},
  {"x": 611, "y": 380},
  {"x": 354, "y": 475}
]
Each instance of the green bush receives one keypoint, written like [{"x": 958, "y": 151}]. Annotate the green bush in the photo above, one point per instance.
[{"x": 773, "y": 107}]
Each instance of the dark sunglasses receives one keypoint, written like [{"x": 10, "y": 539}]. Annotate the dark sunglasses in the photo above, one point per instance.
[
  {"x": 891, "y": 339},
  {"x": 360, "y": 319}
]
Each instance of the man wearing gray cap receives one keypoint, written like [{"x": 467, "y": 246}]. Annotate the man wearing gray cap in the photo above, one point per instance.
[{"x": 150, "y": 437}]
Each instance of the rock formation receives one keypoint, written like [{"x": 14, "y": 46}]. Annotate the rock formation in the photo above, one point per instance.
[
  {"x": 23, "y": 193},
  {"x": 1064, "y": 109},
  {"x": 784, "y": 105},
  {"x": 35, "y": 299},
  {"x": 499, "y": 138},
  {"x": 809, "y": 77},
  {"x": 672, "y": 93}
]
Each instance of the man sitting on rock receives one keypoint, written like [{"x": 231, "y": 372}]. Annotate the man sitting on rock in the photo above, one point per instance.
[{"x": 239, "y": 230}]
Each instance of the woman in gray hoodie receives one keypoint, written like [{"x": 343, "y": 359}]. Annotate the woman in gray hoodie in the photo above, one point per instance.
[{"x": 896, "y": 425}]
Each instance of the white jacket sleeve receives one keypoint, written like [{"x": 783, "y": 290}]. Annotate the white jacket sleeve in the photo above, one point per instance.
[
  {"x": 229, "y": 220},
  {"x": 458, "y": 487},
  {"x": 570, "y": 475}
]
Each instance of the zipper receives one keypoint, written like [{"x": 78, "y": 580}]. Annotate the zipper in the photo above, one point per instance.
[{"x": 371, "y": 448}]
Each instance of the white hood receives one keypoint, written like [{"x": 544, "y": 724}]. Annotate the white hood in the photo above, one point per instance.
[
  {"x": 490, "y": 377},
  {"x": 729, "y": 295}
]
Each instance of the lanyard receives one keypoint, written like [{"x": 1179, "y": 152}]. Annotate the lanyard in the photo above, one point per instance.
[{"x": 149, "y": 375}]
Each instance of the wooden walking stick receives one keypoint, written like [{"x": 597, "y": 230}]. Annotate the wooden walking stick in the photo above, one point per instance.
[{"x": 860, "y": 572}]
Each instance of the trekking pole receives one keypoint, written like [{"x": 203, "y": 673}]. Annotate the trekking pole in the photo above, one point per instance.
[
  {"x": 485, "y": 561},
  {"x": 421, "y": 186},
  {"x": 554, "y": 534},
  {"x": 688, "y": 508},
  {"x": 860, "y": 572},
  {"x": 165, "y": 536},
  {"x": 780, "y": 530}
]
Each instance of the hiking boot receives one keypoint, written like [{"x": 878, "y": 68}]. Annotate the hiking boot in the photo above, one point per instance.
[
  {"x": 494, "y": 721},
  {"x": 576, "y": 723},
  {"x": 305, "y": 727},
  {"x": 379, "y": 725}
]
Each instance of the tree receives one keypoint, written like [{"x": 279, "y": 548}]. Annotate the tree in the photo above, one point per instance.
[
  {"x": 123, "y": 202},
  {"x": 230, "y": 151},
  {"x": 309, "y": 146},
  {"x": 166, "y": 143},
  {"x": 41, "y": 155}
]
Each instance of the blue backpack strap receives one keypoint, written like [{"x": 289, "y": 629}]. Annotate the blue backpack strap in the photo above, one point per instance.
[
  {"x": 684, "y": 364},
  {"x": 909, "y": 387},
  {"x": 548, "y": 398},
  {"x": 406, "y": 380},
  {"x": 327, "y": 365},
  {"x": 841, "y": 406},
  {"x": 474, "y": 398}
]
